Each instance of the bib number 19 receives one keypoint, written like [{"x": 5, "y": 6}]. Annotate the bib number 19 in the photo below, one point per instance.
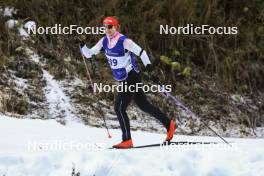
[{"x": 112, "y": 62}]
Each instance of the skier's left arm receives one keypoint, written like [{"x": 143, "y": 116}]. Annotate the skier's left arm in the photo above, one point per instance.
[{"x": 137, "y": 50}]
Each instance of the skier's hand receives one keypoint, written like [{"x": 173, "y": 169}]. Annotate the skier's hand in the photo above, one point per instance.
[
  {"x": 85, "y": 51},
  {"x": 82, "y": 44},
  {"x": 152, "y": 75},
  {"x": 80, "y": 40},
  {"x": 90, "y": 89}
]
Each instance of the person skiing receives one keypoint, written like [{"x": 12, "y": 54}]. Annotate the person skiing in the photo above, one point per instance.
[{"x": 121, "y": 53}]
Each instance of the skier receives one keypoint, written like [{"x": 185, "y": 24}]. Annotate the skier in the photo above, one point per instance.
[{"x": 120, "y": 52}]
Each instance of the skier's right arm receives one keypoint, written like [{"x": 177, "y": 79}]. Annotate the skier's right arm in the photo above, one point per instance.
[{"x": 88, "y": 53}]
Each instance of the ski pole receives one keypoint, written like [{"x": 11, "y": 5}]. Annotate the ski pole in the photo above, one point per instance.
[
  {"x": 93, "y": 65},
  {"x": 87, "y": 71},
  {"x": 100, "y": 112},
  {"x": 94, "y": 68},
  {"x": 215, "y": 133},
  {"x": 91, "y": 82},
  {"x": 181, "y": 105}
]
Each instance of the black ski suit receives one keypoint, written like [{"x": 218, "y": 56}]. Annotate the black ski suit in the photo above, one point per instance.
[{"x": 124, "y": 98}]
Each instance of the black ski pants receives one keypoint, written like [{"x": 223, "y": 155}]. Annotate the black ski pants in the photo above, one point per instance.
[{"x": 124, "y": 98}]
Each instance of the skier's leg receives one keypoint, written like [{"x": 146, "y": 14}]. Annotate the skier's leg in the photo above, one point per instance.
[
  {"x": 122, "y": 101},
  {"x": 142, "y": 102}
]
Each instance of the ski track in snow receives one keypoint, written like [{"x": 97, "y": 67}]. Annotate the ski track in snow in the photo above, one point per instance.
[
  {"x": 247, "y": 158},
  {"x": 58, "y": 102}
]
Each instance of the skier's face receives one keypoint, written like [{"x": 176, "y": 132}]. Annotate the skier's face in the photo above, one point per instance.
[{"x": 110, "y": 29}]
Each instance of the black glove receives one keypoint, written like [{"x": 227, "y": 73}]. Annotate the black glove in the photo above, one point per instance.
[
  {"x": 152, "y": 75},
  {"x": 80, "y": 40},
  {"x": 82, "y": 44}
]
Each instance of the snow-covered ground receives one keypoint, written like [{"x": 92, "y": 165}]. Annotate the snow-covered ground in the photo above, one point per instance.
[
  {"x": 47, "y": 148},
  {"x": 59, "y": 103}
]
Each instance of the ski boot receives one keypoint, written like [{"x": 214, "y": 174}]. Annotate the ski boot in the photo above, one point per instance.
[{"x": 124, "y": 144}]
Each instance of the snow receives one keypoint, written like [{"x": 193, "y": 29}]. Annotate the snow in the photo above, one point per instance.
[
  {"x": 23, "y": 32},
  {"x": 11, "y": 23},
  {"x": 77, "y": 82},
  {"x": 30, "y": 24},
  {"x": 21, "y": 83},
  {"x": 9, "y": 11},
  {"x": 33, "y": 56},
  {"x": 59, "y": 103},
  {"x": 244, "y": 158},
  {"x": 23, "y": 29},
  {"x": 259, "y": 132}
]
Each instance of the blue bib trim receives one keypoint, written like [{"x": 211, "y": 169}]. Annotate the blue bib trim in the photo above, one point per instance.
[
  {"x": 134, "y": 62},
  {"x": 118, "y": 51}
]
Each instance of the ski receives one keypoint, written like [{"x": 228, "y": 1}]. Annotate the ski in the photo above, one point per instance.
[{"x": 169, "y": 143}]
